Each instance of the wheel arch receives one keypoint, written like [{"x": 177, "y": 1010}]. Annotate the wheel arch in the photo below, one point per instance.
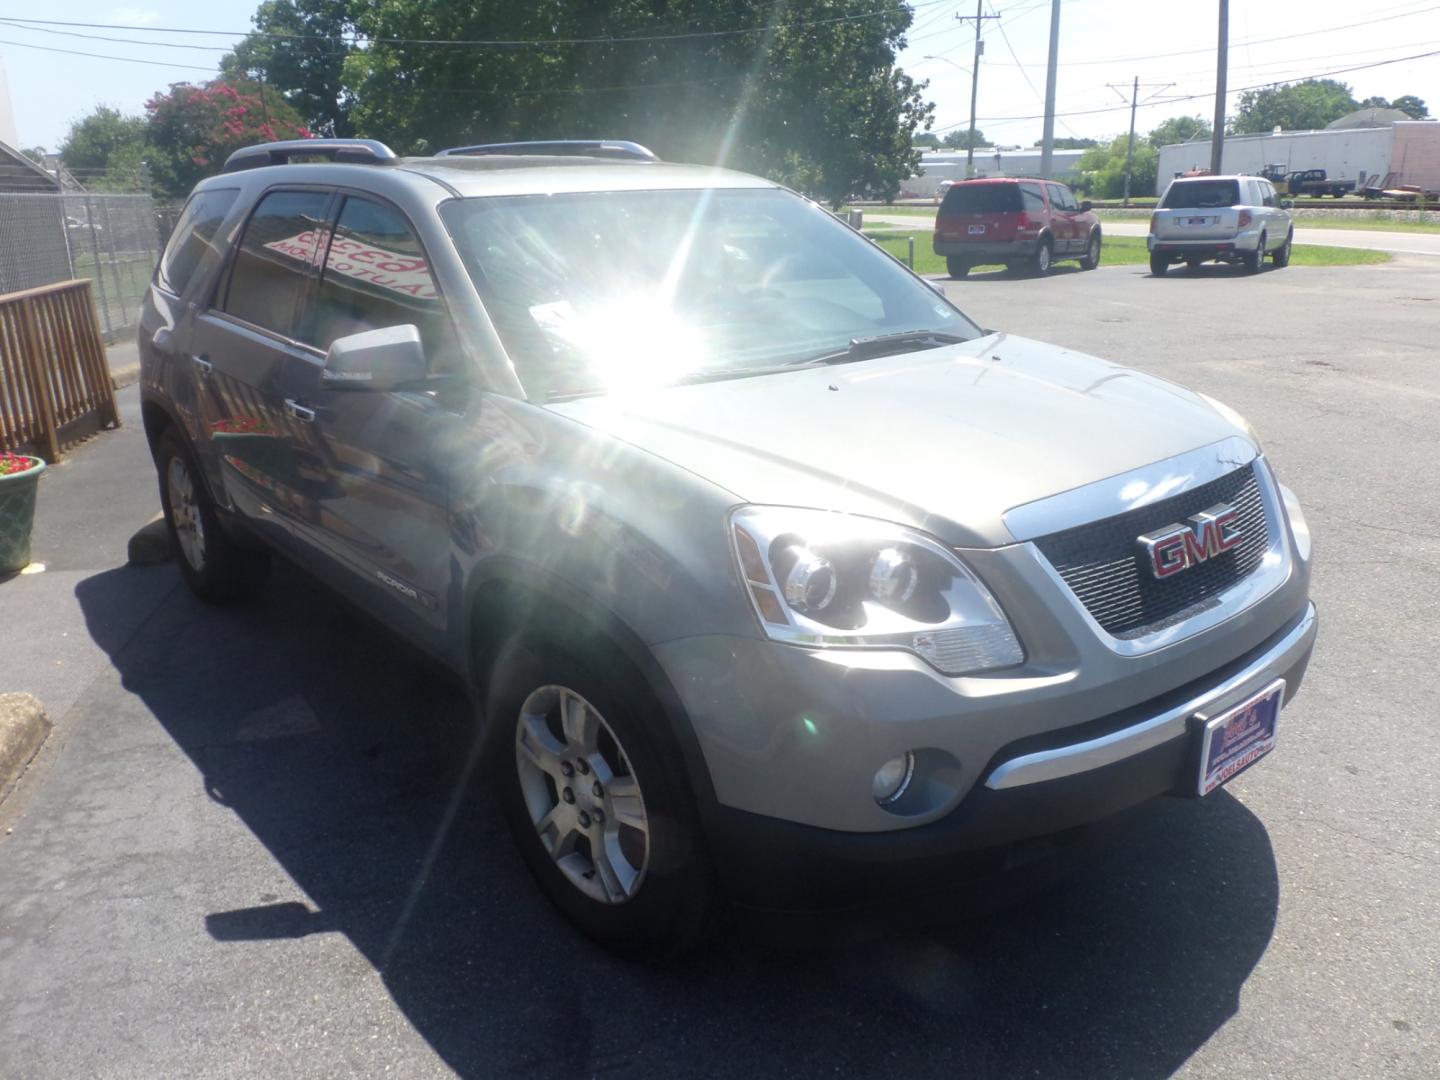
[{"x": 515, "y": 596}]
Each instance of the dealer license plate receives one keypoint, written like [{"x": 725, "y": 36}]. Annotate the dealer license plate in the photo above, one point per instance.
[
  {"x": 977, "y": 230},
  {"x": 1197, "y": 221},
  {"x": 1239, "y": 737}
]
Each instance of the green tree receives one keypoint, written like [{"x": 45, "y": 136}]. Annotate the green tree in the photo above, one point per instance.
[
  {"x": 1103, "y": 167},
  {"x": 959, "y": 139},
  {"x": 927, "y": 139},
  {"x": 1301, "y": 106},
  {"x": 1375, "y": 103},
  {"x": 1179, "y": 129},
  {"x": 808, "y": 94},
  {"x": 1068, "y": 143},
  {"x": 298, "y": 49},
  {"x": 1412, "y": 106},
  {"x": 107, "y": 150},
  {"x": 192, "y": 129}
]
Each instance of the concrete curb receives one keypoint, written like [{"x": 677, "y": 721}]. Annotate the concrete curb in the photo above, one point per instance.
[
  {"x": 23, "y": 728},
  {"x": 150, "y": 545},
  {"x": 125, "y": 376}
]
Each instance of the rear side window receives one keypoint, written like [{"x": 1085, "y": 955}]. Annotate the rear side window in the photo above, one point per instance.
[
  {"x": 1032, "y": 198},
  {"x": 1201, "y": 194},
  {"x": 375, "y": 276},
  {"x": 194, "y": 235},
  {"x": 273, "y": 264},
  {"x": 982, "y": 199}
]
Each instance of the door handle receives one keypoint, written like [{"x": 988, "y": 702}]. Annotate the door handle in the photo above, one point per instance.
[
  {"x": 299, "y": 412},
  {"x": 203, "y": 365}
]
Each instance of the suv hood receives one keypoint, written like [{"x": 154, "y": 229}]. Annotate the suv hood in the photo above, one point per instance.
[{"x": 946, "y": 439}]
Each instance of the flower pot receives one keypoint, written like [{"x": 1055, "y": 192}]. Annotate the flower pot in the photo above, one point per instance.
[{"x": 17, "y": 515}]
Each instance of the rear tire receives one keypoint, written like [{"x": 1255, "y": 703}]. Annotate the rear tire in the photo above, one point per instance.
[
  {"x": 217, "y": 569},
  {"x": 1041, "y": 260},
  {"x": 1159, "y": 264},
  {"x": 1253, "y": 260},
  {"x": 622, "y": 857},
  {"x": 1091, "y": 259},
  {"x": 956, "y": 266},
  {"x": 1281, "y": 255}
]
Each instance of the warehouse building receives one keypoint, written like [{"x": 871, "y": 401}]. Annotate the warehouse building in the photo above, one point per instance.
[
  {"x": 1367, "y": 147},
  {"x": 939, "y": 165}
]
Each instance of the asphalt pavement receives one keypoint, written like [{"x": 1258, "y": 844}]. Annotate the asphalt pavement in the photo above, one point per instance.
[
  {"x": 239, "y": 854},
  {"x": 1400, "y": 243}
]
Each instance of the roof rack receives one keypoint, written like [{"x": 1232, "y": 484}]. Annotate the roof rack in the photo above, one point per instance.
[
  {"x": 603, "y": 148},
  {"x": 353, "y": 151}
]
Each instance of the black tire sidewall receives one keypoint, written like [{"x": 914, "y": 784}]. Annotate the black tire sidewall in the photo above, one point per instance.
[
  {"x": 676, "y": 899},
  {"x": 231, "y": 574}
]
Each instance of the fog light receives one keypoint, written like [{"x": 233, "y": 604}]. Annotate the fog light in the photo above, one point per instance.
[{"x": 892, "y": 778}]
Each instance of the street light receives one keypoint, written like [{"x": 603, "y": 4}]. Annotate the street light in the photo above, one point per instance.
[{"x": 947, "y": 60}]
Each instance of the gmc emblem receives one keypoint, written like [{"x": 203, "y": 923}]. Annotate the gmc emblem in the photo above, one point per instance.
[{"x": 1179, "y": 547}]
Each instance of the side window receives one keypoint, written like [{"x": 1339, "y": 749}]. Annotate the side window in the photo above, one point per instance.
[
  {"x": 1060, "y": 196},
  {"x": 194, "y": 235},
  {"x": 1033, "y": 201},
  {"x": 273, "y": 264},
  {"x": 376, "y": 276},
  {"x": 1268, "y": 191}
]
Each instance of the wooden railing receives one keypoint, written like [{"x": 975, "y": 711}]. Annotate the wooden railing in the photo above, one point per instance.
[{"x": 55, "y": 386}]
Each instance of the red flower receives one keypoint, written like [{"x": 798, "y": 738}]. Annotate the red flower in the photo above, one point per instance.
[{"x": 10, "y": 464}]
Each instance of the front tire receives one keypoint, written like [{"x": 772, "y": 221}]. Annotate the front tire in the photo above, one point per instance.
[
  {"x": 217, "y": 569},
  {"x": 595, "y": 795},
  {"x": 957, "y": 267},
  {"x": 1091, "y": 259},
  {"x": 1159, "y": 264}
]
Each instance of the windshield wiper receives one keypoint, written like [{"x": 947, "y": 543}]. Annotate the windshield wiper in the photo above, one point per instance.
[{"x": 863, "y": 348}]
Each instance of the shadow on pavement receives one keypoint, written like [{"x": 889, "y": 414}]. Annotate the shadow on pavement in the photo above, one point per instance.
[{"x": 340, "y": 751}]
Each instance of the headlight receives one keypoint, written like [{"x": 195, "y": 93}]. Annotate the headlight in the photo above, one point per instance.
[
  {"x": 824, "y": 579},
  {"x": 1235, "y": 418}
]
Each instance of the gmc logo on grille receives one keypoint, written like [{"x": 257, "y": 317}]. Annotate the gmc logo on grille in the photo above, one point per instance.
[{"x": 1179, "y": 547}]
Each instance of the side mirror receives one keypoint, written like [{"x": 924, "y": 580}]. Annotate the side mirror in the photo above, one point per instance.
[
  {"x": 1086, "y": 206},
  {"x": 936, "y": 286},
  {"x": 375, "y": 360},
  {"x": 1287, "y": 204}
]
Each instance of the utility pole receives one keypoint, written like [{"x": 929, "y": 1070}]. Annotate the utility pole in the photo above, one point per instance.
[
  {"x": 980, "y": 18},
  {"x": 1047, "y": 141},
  {"x": 1134, "y": 101},
  {"x": 1217, "y": 137}
]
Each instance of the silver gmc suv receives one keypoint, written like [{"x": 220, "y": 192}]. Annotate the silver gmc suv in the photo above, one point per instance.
[{"x": 775, "y": 578}]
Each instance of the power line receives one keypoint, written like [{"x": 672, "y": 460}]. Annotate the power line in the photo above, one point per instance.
[
  {"x": 1256, "y": 41},
  {"x": 103, "y": 56},
  {"x": 498, "y": 43},
  {"x": 1194, "y": 97}
]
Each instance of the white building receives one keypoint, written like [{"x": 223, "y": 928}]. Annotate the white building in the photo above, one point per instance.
[
  {"x": 938, "y": 165},
  {"x": 8, "y": 133},
  {"x": 1409, "y": 149}
]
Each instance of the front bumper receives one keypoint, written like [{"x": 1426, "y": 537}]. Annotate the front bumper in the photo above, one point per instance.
[{"x": 1034, "y": 788}]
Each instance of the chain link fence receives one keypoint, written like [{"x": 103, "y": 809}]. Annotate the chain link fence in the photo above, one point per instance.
[{"x": 110, "y": 239}]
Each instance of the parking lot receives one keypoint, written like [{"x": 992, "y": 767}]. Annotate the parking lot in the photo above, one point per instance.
[{"x": 239, "y": 855}]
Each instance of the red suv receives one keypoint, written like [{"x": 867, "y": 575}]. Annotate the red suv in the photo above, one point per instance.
[{"x": 1016, "y": 222}]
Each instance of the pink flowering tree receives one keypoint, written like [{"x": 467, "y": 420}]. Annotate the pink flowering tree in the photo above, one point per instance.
[{"x": 192, "y": 129}]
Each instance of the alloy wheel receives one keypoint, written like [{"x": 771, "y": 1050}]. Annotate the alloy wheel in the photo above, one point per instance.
[
  {"x": 581, "y": 794},
  {"x": 185, "y": 513}
]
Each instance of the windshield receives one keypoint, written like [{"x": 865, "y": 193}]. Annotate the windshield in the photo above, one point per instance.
[
  {"x": 1201, "y": 194},
  {"x": 599, "y": 291}
]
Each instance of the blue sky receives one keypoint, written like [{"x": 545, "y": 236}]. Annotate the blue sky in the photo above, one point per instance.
[{"x": 1102, "y": 41}]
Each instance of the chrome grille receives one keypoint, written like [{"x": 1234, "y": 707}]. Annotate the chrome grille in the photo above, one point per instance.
[{"x": 1102, "y": 564}]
